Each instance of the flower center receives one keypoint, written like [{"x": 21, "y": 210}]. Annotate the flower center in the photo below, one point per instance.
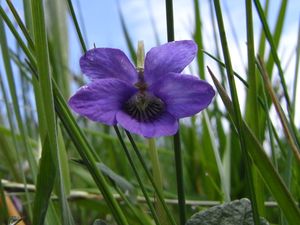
[{"x": 144, "y": 107}]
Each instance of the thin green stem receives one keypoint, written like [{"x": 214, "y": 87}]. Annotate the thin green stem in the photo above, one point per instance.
[
  {"x": 177, "y": 147},
  {"x": 155, "y": 164},
  {"x": 143, "y": 163},
  {"x": 157, "y": 177},
  {"x": 142, "y": 218},
  {"x": 170, "y": 20},
  {"x": 20, "y": 23},
  {"x": 179, "y": 177},
  {"x": 72, "y": 12}
]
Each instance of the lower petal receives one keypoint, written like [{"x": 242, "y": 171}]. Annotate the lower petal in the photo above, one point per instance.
[
  {"x": 101, "y": 100},
  {"x": 165, "y": 125}
]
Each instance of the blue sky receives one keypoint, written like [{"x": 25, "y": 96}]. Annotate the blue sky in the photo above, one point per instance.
[
  {"x": 103, "y": 28},
  {"x": 102, "y": 25}
]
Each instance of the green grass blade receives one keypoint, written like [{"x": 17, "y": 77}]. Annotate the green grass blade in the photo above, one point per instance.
[
  {"x": 20, "y": 23},
  {"x": 217, "y": 157},
  {"x": 157, "y": 192},
  {"x": 279, "y": 110},
  {"x": 83, "y": 147},
  {"x": 215, "y": 35},
  {"x": 15, "y": 33},
  {"x": 245, "y": 83},
  {"x": 7, "y": 151},
  {"x": 64, "y": 163},
  {"x": 56, "y": 14},
  {"x": 234, "y": 33},
  {"x": 152, "y": 21},
  {"x": 12, "y": 87},
  {"x": 273, "y": 43},
  {"x": 138, "y": 214},
  {"x": 237, "y": 112},
  {"x": 277, "y": 32},
  {"x": 177, "y": 147},
  {"x": 296, "y": 72},
  {"x": 198, "y": 39},
  {"x": 252, "y": 110},
  {"x": 86, "y": 153},
  {"x": 74, "y": 18},
  {"x": 126, "y": 35},
  {"x": 16, "y": 107},
  {"x": 45, "y": 181},
  {"x": 262, "y": 37},
  {"x": 149, "y": 203},
  {"x": 49, "y": 141}
]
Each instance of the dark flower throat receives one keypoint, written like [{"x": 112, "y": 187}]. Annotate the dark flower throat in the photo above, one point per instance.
[{"x": 143, "y": 106}]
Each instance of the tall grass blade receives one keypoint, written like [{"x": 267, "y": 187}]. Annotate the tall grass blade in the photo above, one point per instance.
[
  {"x": 283, "y": 120},
  {"x": 218, "y": 158},
  {"x": 73, "y": 130},
  {"x": 296, "y": 72},
  {"x": 13, "y": 92},
  {"x": 56, "y": 22},
  {"x": 75, "y": 21},
  {"x": 273, "y": 43},
  {"x": 237, "y": 111},
  {"x": 198, "y": 39},
  {"x": 49, "y": 141},
  {"x": 252, "y": 110},
  {"x": 177, "y": 147},
  {"x": 126, "y": 35}
]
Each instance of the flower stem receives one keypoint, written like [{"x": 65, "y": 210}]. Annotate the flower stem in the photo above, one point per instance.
[{"x": 157, "y": 177}]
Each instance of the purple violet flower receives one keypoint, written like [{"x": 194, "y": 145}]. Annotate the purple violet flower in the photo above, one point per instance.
[{"x": 147, "y": 102}]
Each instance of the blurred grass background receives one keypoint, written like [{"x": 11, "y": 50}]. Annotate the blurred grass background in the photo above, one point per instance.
[{"x": 55, "y": 164}]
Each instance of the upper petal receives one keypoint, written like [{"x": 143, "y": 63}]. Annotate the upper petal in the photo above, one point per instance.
[
  {"x": 184, "y": 95},
  {"x": 101, "y": 99},
  {"x": 99, "y": 63},
  {"x": 165, "y": 125},
  {"x": 170, "y": 57}
]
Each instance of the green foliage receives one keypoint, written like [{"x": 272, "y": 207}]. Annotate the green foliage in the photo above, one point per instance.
[{"x": 227, "y": 152}]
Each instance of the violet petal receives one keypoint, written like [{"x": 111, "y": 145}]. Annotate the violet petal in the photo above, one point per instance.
[
  {"x": 171, "y": 57},
  {"x": 165, "y": 125},
  {"x": 100, "y": 63},
  {"x": 101, "y": 100},
  {"x": 184, "y": 95}
]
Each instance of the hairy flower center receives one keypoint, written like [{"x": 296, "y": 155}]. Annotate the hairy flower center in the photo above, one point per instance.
[{"x": 144, "y": 107}]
